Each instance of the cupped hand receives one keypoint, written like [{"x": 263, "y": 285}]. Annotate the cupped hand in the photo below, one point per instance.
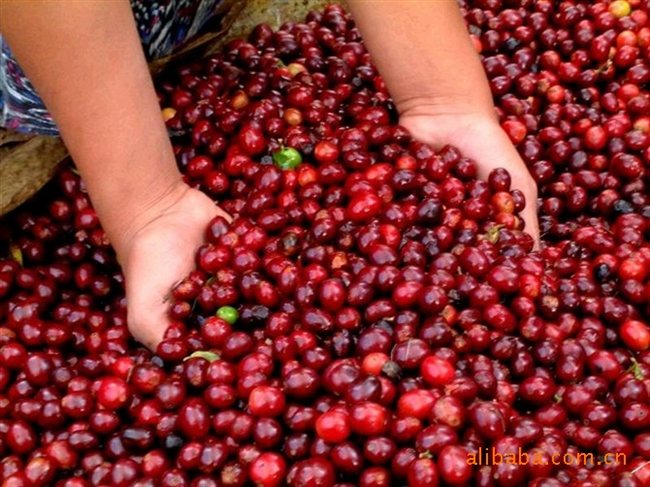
[
  {"x": 159, "y": 253},
  {"x": 482, "y": 139}
]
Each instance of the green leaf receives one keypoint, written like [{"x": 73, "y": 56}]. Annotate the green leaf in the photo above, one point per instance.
[
  {"x": 205, "y": 354},
  {"x": 492, "y": 235},
  {"x": 636, "y": 371},
  {"x": 16, "y": 254}
]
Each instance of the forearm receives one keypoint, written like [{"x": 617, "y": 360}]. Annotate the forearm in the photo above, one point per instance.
[
  {"x": 424, "y": 53},
  {"x": 86, "y": 62}
]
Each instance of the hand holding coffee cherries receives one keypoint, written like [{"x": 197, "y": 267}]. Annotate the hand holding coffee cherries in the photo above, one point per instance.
[
  {"x": 440, "y": 87},
  {"x": 154, "y": 221},
  {"x": 158, "y": 255},
  {"x": 481, "y": 138}
]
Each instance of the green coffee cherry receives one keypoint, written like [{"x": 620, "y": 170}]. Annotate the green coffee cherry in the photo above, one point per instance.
[
  {"x": 287, "y": 158},
  {"x": 228, "y": 314}
]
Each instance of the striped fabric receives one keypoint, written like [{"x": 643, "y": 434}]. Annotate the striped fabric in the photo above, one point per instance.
[{"x": 163, "y": 25}]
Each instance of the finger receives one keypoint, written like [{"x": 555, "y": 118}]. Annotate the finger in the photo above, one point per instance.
[
  {"x": 148, "y": 334},
  {"x": 223, "y": 214},
  {"x": 147, "y": 323},
  {"x": 147, "y": 294},
  {"x": 529, "y": 215}
]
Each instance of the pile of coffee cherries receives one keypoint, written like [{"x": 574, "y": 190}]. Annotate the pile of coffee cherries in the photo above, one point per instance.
[{"x": 375, "y": 314}]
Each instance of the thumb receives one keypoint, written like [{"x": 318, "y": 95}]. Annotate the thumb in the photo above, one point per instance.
[
  {"x": 147, "y": 324},
  {"x": 529, "y": 215}
]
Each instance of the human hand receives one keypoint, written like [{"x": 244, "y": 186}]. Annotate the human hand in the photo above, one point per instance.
[
  {"x": 481, "y": 138},
  {"x": 157, "y": 253}
]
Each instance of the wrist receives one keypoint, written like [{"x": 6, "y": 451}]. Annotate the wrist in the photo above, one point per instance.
[
  {"x": 450, "y": 126},
  {"x": 438, "y": 105},
  {"x": 126, "y": 219}
]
